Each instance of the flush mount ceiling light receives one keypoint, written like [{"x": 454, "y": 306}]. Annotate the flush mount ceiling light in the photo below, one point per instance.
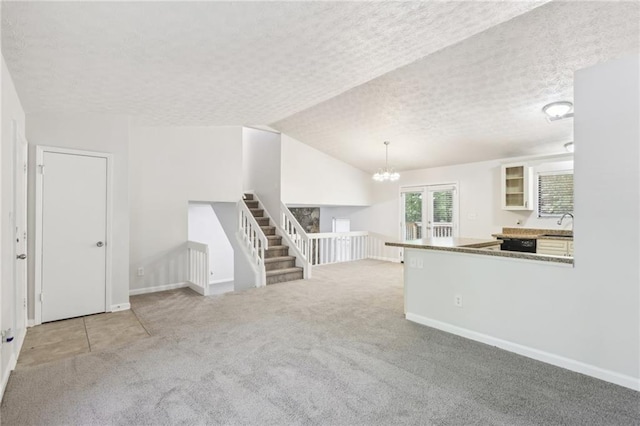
[
  {"x": 387, "y": 173},
  {"x": 558, "y": 110},
  {"x": 569, "y": 146}
]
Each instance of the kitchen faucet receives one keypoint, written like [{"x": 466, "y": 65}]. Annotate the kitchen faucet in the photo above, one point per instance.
[{"x": 563, "y": 216}]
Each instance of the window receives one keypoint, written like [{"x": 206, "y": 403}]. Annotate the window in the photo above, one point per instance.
[{"x": 555, "y": 193}]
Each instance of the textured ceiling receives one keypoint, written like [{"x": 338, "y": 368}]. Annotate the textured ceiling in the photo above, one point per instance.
[
  {"x": 480, "y": 99},
  {"x": 221, "y": 63},
  {"x": 445, "y": 82}
]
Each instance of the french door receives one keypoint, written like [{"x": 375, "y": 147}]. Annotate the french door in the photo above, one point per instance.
[{"x": 429, "y": 212}]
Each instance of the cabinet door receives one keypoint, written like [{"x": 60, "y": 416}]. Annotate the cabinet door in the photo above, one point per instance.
[
  {"x": 552, "y": 247},
  {"x": 516, "y": 187}
]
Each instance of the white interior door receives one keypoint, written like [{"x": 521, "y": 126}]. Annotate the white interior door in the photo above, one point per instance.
[{"x": 73, "y": 235}]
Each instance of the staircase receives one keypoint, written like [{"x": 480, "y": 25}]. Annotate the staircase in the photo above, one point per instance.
[{"x": 279, "y": 266}]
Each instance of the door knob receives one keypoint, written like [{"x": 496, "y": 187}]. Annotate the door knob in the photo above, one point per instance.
[
  {"x": 99, "y": 243},
  {"x": 21, "y": 256}
]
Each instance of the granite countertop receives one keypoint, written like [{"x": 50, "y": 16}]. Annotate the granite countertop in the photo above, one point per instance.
[
  {"x": 474, "y": 246},
  {"x": 534, "y": 233},
  {"x": 446, "y": 242}
]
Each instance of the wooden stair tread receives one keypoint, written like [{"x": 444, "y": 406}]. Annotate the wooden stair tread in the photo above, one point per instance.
[
  {"x": 284, "y": 271},
  {"x": 277, "y": 247},
  {"x": 279, "y": 259}
]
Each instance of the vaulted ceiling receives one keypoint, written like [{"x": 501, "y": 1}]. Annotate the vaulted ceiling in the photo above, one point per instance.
[
  {"x": 445, "y": 82},
  {"x": 479, "y": 99}
]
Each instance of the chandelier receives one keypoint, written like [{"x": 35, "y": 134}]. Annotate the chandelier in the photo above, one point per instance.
[{"x": 387, "y": 173}]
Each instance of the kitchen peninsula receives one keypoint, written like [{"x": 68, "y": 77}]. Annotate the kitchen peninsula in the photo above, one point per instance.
[{"x": 468, "y": 287}]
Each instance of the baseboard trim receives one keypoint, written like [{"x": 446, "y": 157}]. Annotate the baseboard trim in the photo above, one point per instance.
[
  {"x": 120, "y": 307},
  {"x": 200, "y": 290},
  {"x": 155, "y": 289},
  {"x": 19, "y": 343},
  {"x": 31, "y": 323},
  {"x": 11, "y": 365},
  {"x": 386, "y": 259},
  {"x": 557, "y": 360},
  {"x": 221, "y": 281}
]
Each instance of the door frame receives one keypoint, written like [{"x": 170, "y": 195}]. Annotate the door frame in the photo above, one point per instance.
[
  {"x": 20, "y": 198},
  {"x": 40, "y": 151}
]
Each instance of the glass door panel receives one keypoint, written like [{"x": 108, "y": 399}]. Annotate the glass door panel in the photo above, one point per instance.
[
  {"x": 440, "y": 212},
  {"x": 412, "y": 217}
]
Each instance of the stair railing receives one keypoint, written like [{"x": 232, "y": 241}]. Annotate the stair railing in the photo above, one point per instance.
[
  {"x": 294, "y": 231},
  {"x": 335, "y": 247},
  {"x": 254, "y": 238},
  {"x": 198, "y": 266},
  {"x": 296, "y": 235}
]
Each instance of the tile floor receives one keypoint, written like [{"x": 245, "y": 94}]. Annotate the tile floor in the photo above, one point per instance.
[{"x": 63, "y": 339}]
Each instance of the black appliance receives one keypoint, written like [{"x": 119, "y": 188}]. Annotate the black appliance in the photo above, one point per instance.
[{"x": 526, "y": 245}]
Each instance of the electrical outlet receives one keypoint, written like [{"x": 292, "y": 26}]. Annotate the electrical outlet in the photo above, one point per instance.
[
  {"x": 457, "y": 300},
  {"x": 412, "y": 262},
  {"x": 140, "y": 272},
  {"x": 420, "y": 264}
]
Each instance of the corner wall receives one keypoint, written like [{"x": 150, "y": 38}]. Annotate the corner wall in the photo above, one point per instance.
[
  {"x": 11, "y": 309},
  {"x": 314, "y": 178},
  {"x": 170, "y": 166},
  {"x": 205, "y": 227},
  {"x": 261, "y": 167},
  {"x": 607, "y": 248}
]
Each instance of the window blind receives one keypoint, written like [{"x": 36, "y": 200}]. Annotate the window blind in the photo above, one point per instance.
[
  {"x": 443, "y": 206},
  {"x": 555, "y": 194}
]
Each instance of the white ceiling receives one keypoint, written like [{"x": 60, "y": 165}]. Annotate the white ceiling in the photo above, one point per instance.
[
  {"x": 340, "y": 76},
  {"x": 220, "y": 63},
  {"x": 480, "y": 99}
]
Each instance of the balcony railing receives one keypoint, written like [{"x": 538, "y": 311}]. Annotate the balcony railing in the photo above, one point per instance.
[{"x": 415, "y": 230}]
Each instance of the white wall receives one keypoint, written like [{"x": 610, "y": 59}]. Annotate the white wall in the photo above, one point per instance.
[
  {"x": 261, "y": 159},
  {"x": 90, "y": 132},
  {"x": 586, "y": 318},
  {"x": 383, "y": 216},
  {"x": 314, "y": 178},
  {"x": 328, "y": 213},
  {"x": 607, "y": 173},
  {"x": 479, "y": 192},
  {"x": 169, "y": 167},
  {"x": 10, "y": 310},
  {"x": 204, "y": 227},
  {"x": 245, "y": 273}
]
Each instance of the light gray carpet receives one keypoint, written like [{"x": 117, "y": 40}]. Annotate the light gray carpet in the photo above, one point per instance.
[{"x": 333, "y": 350}]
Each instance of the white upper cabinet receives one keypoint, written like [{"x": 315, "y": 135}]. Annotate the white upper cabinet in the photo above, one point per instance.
[{"x": 516, "y": 187}]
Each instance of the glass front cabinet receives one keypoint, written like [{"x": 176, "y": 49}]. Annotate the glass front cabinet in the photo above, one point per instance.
[{"x": 516, "y": 187}]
